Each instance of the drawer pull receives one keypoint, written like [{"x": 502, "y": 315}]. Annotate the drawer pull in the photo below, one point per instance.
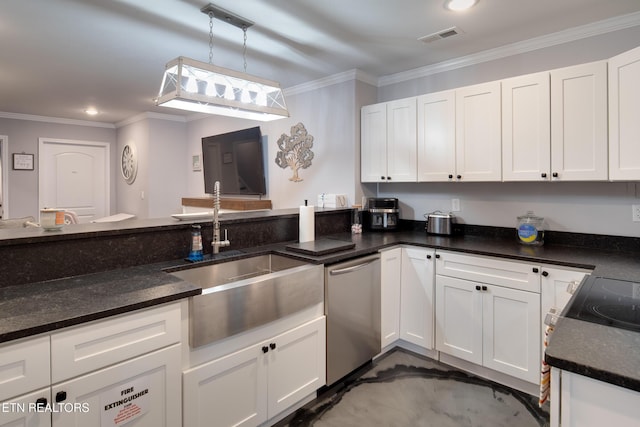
[
  {"x": 272, "y": 346},
  {"x": 265, "y": 349},
  {"x": 484, "y": 288},
  {"x": 40, "y": 402},
  {"x": 477, "y": 287},
  {"x": 61, "y": 396},
  {"x": 535, "y": 269},
  {"x": 545, "y": 273}
]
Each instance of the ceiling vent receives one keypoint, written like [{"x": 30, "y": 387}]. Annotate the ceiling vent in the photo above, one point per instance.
[{"x": 443, "y": 34}]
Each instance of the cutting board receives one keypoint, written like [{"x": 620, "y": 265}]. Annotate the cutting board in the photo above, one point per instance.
[{"x": 320, "y": 247}]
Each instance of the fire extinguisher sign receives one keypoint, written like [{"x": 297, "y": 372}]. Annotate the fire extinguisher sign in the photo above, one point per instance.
[{"x": 125, "y": 402}]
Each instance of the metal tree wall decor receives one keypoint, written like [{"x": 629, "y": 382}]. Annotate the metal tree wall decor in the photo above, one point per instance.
[{"x": 295, "y": 151}]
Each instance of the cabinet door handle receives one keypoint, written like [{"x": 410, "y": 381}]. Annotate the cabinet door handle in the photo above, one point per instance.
[
  {"x": 484, "y": 288},
  {"x": 555, "y": 174},
  {"x": 388, "y": 178},
  {"x": 265, "y": 349},
  {"x": 61, "y": 396},
  {"x": 535, "y": 269},
  {"x": 40, "y": 402},
  {"x": 272, "y": 346},
  {"x": 545, "y": 274},
  {"x": 543, "y": 174},
  {"x": 459, "y": 176},
  {"x": 478, "y": 287},
  {"x": 428, "y": 256},
  {"x": 438, "y": 256},
  {"x": 382, "y": 178},
  {"x": 450, "y": 176}
]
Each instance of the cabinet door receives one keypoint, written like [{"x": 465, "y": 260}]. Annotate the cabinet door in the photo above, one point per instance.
[
  {"x": 24, "y": 366},
  {"x": 624, "y": 110},
  {"x": 373, "y": 143},
  {"x": 141, "y": 392},
  {"x": 297, "y": 365},
  {"x": 416, "y": 297},
  {"x": 20, "y": 411},
  {"x": 579, "y": 122},
  {"x": 526, "y": 128},
  {"x": 401, "y": 140},
  {"x": 437, "y": 136},
  {"x": 511, "y": 326},
  {"x": 459, "y": 318},
  {"x": 232, "y": 389},
  {"x": 478, "y": 133},
  {"x": 390, "y": 264}
]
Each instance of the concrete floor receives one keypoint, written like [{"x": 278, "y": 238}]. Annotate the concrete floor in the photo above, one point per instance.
[{"x": 405, "y": 390}]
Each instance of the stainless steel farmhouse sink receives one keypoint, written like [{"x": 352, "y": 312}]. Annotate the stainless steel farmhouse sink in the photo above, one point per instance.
[{"x": 242, "y": 294}]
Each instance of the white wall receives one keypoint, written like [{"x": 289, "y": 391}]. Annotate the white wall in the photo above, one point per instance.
[
  {"x": 330, "y": 115},
  {"x": 590, "y": 207},
  {"x": 23, "y": 137}
]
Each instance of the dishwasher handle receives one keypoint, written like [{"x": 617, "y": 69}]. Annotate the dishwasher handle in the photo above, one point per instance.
[{"x": 352, "y": 268}]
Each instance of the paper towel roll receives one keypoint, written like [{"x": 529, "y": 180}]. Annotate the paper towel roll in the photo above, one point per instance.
[{"x": 307, "y": 224}]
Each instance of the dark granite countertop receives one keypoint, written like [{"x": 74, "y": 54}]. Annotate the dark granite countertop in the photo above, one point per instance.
[{"x": 596, "y": 351}]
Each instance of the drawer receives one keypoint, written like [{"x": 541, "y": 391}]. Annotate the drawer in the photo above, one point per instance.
[
  {"x": 98, "y": 344},
  {"x": 489, "y": 270},
  {"x": 24, "y": 366}
]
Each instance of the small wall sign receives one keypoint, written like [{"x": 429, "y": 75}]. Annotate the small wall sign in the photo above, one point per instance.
[{"x": 22, "y": 161}]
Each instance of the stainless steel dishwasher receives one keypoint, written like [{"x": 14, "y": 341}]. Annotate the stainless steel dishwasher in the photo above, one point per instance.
[{"x": 352, "y": 306}]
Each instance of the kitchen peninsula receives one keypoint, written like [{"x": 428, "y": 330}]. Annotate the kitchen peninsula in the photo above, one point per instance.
[{"x": 101, "y": 272}]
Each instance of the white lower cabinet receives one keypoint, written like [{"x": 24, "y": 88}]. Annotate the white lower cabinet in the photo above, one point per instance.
[
  {"x": 142, "y": 392},
  {"x": 22, "y": 410},
  {"x": 495, "y": 326},
  {"x": 390, "y": 266},
  {"x": 416, "y": 296},
  {"x": 586, "y": 402},
  {"x": 256, "y": 383}
]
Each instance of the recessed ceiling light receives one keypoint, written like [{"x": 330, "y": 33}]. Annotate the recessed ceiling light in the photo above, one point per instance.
[
  {"x": 91, "y": 111},
  {"x": 459, "y": 5}
]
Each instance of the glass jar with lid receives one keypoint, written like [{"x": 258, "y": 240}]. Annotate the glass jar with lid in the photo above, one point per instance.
[{"x": 530, "y": 229}]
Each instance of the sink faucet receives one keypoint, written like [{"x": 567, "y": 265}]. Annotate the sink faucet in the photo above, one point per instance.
[{"x": 217, "y": 243}]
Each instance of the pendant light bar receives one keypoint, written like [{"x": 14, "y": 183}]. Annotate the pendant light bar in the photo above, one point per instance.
[{"x": 202, "y": 87}]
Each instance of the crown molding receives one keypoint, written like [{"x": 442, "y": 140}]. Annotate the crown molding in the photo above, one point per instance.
[
  {"x": 150, "y": 115},
  {"x": 572, "y": 34},
  {"x": 57, "y": 120},
  {"x": 332, "y": 80}
]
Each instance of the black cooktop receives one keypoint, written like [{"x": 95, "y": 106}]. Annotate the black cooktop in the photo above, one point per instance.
[{"x": 608, "y": 302}]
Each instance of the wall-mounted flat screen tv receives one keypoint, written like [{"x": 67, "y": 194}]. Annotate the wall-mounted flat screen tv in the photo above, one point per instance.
[{"x": 236, "y": 159}]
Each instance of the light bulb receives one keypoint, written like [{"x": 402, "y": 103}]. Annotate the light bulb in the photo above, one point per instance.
[
  {"x": 192, "y": 85},
  {"x": 459, "y": 5},
  {"x": 228, "y": 93},
  {"x": 211, "y": 89}
]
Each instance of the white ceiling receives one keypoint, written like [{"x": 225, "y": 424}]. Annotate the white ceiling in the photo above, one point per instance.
[{"x": 59, "y": 56}]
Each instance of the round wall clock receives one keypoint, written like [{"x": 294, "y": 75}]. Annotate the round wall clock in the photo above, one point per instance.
[{"x": 129, "y": 166}]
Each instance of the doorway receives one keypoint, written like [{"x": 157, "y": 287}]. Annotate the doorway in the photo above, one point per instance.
[
  {"x": 75, "y": 176},
  {"x": 4, "y": 177}
]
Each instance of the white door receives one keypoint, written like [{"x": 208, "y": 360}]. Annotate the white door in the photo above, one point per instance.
[
  {"x": 478, "y": 133},
  {"x": 401, "y": 141},
  {"x": 416, "y": 297},
  {"x": 230, "y": 391},
  {"x": 390, "y": 264},
  {"x": 437, "y": 136},
  {"x": 624, "y": 110},
  {"x": 511, "y": 323},
  {"x": 526, "y": 128},
  {"x": 373, "y": 143},
  {"x": 459, "y": 318},
  {"x": 4, "y": 175},
  {"x": 74, "y": 175},
  {"x": 297, "y": 365},
  {"x": 579, "y": 122}
]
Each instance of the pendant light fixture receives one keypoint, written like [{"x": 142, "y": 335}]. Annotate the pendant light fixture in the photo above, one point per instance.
[{"x": 192, "y": 85}]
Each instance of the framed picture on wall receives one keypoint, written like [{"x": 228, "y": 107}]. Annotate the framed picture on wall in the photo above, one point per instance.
[{"x": 22, "y": 161}]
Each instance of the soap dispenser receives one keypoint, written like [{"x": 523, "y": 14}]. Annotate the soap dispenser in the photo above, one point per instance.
[{"x": 196, "y": 244}]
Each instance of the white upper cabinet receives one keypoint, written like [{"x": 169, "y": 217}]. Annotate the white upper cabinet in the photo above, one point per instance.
[
  {"x": 624, "y": 114},
  {"x": 437, "y": 136},
  {"x": 526, "y": 128},
  {"x": 388, "y": 142},
  {"x": 579, "y": 123},
  {"x": 373, "y": 145},
  {"x": 478, "y": 133}
]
